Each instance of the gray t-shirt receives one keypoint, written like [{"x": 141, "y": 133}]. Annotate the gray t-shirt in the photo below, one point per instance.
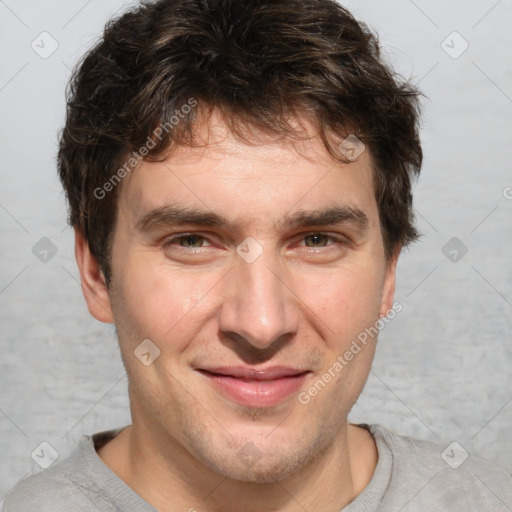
[{"x": 411, "y": 476}]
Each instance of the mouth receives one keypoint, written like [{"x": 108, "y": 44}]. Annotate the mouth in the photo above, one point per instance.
[{"x": 256, "y": 388}]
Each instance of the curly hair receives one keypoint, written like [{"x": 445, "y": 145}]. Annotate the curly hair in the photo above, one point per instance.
[{"x": 261, "y": 63}]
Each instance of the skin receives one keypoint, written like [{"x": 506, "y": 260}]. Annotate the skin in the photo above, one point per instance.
[{"x": 299, "y": 304}]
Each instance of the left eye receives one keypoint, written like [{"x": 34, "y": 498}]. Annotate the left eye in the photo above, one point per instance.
[
  {"x": 187, "y": 241},
  {"x": 317, "y": 240}
]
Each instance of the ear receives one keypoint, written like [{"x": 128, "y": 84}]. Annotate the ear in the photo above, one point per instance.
[
  {"x": 388, "y": 289},
  {"x": 94, "y": 286}
]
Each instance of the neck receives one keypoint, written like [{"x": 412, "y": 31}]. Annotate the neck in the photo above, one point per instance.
[{"x": 169, "y": 478}]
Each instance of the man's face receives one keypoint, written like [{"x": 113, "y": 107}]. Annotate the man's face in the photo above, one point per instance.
[{"x": 291, "y": 298}]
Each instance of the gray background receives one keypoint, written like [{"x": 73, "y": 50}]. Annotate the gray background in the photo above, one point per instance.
[{"x": 443, "y": 367}]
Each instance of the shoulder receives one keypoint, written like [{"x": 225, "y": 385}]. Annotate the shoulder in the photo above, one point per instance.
[
  {"x": 427, "y": 472},
  {"x": 47, "y": 491},
  {"x": 66, "y": 486}
]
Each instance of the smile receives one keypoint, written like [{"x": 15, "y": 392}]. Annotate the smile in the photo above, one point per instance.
[{"x": 256, "y": 388}]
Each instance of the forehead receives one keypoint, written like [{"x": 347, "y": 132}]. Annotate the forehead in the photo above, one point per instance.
[{"x": 264, "y": 176}]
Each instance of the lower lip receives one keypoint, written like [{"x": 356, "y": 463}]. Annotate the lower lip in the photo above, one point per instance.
[{"x": 257, "y": 393}]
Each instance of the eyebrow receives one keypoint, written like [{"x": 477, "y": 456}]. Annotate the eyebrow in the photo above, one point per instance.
[{"x": 171, "y": 215}]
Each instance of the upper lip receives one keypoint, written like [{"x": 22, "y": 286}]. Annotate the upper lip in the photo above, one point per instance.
[{"x": 244, "y": 372}]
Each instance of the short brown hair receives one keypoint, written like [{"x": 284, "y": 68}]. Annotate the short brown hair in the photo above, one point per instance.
[{"x": 258, "y": 61}]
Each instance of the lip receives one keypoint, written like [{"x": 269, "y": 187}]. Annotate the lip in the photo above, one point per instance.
[{"x": 255, "y": 388}]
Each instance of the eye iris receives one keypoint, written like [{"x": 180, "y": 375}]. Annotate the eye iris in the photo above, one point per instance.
[
  {"x": 315, "y": 239},
  {"x": 190, "y": 240}
]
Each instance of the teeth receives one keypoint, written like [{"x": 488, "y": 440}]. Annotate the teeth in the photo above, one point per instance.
[
  {"x": 252, "y": 379},
  {"x": 246, "y": 379}
]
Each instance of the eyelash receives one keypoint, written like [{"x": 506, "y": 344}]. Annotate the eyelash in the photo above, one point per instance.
[{"x": 170, "y": 241}]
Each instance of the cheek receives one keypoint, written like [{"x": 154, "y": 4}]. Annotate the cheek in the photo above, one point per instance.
[
  {"x": 346, "y": 301},
  {"x": 346, "y": 310},
  {"x": 156, "y": 302}
]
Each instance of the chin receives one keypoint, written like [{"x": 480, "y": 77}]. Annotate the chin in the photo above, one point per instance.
[
  {"x": 262, "y": 461},
  {"x": 261, "y": 472}
]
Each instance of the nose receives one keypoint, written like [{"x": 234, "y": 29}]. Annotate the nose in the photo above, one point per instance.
[{"x": 259, "y": 305}]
